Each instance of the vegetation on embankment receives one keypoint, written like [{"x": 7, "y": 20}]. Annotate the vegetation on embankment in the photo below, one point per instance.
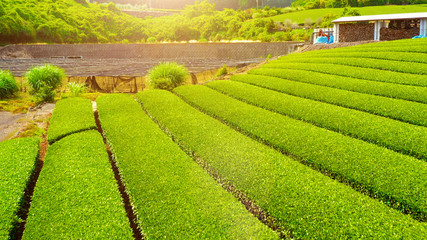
[
  {"x": 76, "y": 21},
  {"x": 322, "y": 13}
]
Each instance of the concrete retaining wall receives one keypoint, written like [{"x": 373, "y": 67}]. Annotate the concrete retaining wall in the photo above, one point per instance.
[{"x": 169, "y": 51}]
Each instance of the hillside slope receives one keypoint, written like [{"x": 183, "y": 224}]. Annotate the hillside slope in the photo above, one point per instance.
[{"x": 65, "y": 21}]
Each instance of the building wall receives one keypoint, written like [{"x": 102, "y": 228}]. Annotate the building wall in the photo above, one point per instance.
[
  {"x": 353, "y": 32},
  {"x": 395, "y": 34}
]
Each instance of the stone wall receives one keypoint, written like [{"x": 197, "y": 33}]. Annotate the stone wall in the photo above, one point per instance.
[
  {"x": 356, "y": 32},
  {"x": 153, "y": 51}
]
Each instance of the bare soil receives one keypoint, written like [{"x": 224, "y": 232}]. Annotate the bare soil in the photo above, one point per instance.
[{"x": 13, "y": 125}]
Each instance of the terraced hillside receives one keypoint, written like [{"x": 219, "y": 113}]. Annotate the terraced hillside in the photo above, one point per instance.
[
  {"x": 348, "y": 129},
  {"x": 318, "y": 145}
]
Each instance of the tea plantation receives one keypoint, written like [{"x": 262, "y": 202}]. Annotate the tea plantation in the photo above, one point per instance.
[{"x": 329, "y": 144}]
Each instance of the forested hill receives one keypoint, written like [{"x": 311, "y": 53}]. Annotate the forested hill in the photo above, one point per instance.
[
  {"x": 220, "y": 4},
  {"x": 310, "y": 4},
  {"x": 65, "y": 21},
  {"x": 76, "y": 21}
]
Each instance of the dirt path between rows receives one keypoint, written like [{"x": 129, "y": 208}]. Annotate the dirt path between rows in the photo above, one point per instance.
[{"x": 12, "y": 125}]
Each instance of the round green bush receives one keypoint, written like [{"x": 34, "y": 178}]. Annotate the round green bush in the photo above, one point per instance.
[
  {"x": 8, "y": 85},
  {"x": 167, "y": 75},
  {"x": 44, "y": 80}
]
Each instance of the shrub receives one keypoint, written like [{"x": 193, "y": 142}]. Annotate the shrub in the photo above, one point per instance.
[
  {"x": 308, "y": 22},
  {"x": 287, "y": 23},
  {"x": 151, "y": 40},
  {"x": 44, "y": 80},
  {"x": 222, "y": 71},
  {"x": 8, "y": 84},
  {"x": 167, "y": 75},
  {"x": 77, "y": 88}
]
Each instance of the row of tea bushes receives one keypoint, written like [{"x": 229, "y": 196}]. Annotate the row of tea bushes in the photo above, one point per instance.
[
  {"x": 354, "y": 53},
  {"x": 411, "y": 112},
  {"x": 404, "y": 92},
  {"x": 18, "y": 160},
  {"x": 304, "y": 203},
  {"x": 407, "y": 45},
  {"x": 360, "y": 73},
  {"x": 76, "y": 195},
  {"x": 382, "y": 172},
  {"x": 174, "y": 198},
  {"x": 391, "y": 65},
  {"x": 70, "y": 116},
  {"x": 403, "y": 137}
]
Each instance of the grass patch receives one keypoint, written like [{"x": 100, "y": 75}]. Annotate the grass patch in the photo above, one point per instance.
[
  {"x": 403, "y": 137},
  {"x": 173, "y": 196},
  {"x": 18, "y": 104},
  {"x": 69, "y": 116},
  {"x": 305, "y": 203},
  {"x": 314, "y": 14},
  {"x": 411, "y": 112},
  {"x": 17, "y": 162},
  {"x": 76, "y": 196}
]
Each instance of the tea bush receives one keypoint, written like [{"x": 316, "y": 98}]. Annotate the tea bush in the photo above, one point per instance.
[
  {"x": 70, "y": 115},
  {"x": 399, "y": 136},
  {"x": 405, "y": 92},
  {"x": 411, "y": 112},
  {"x": 300, "y": 199},
  {"x": 76, "y": 196},
  {"x": 17, "y": 162},
  {"x": 360, "y": 73},
  {"x": 174, "y": 198},
  {"x": 386, "y": 174}
]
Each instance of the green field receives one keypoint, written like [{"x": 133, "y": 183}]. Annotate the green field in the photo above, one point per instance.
[
  {"x": 314, "y": 14},
  {"x": 328, "y": 144}
]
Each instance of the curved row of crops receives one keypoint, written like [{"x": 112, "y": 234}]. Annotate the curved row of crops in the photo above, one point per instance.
[{"x": 315, "y": 153}]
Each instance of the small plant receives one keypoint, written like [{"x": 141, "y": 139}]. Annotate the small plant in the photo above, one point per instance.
[
  {"x": 8, "y": 85},
  {"x": 77, "y": 88},
  {"x": 44, "y": 80},
  {"x": 222, "y": 71},
  {"x": 151, "y": 40},
  {"x": 167, "y": 75}
]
